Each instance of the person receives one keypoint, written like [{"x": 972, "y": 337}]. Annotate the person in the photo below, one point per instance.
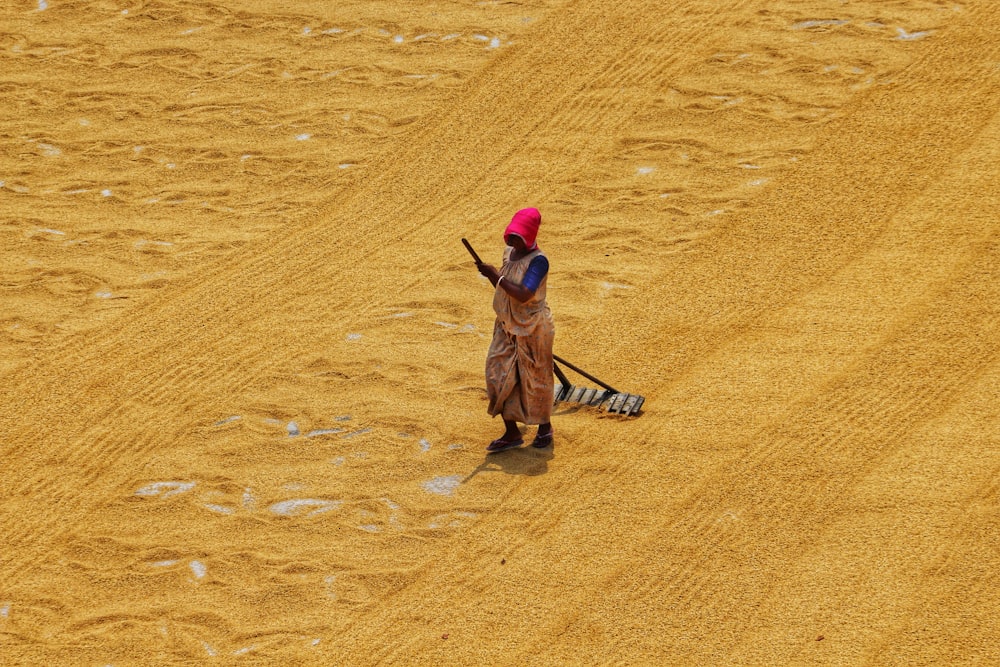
[{"x": 519, "y": 381}]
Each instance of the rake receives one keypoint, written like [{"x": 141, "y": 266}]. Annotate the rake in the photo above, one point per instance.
[{"x": 608, "y": 397}]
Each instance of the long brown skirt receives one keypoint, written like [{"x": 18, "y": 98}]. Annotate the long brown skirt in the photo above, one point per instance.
[{"x": 519, "y": 375}]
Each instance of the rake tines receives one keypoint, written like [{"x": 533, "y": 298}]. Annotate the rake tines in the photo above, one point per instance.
[{"x": 609, "y": 398}]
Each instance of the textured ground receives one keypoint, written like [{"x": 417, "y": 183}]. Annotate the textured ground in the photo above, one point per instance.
[{"x": 241, "y": 345}]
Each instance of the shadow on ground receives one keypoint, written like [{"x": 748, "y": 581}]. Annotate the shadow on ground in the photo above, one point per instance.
[{"x": 520, "y": 461}]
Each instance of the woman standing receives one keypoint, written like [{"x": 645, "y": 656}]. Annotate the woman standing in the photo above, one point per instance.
[{"x": 519, "y": 363}]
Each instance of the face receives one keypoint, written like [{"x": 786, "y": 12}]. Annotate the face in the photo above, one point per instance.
[{"x": 516, "y": 242}]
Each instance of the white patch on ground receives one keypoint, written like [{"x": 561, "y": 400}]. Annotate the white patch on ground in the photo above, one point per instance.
[
  {"x": 425, "y": 445},
  {"x": 910, "y": 36},
  {"x": 444, "y": 485},
  {"x": 198, "y": 568},
  {"x": 293, "y": 429},
  {"x": 227, "y": 420},
  {"x": 163, "y": 563},
  {"x": 165, "y": 489},
  {"x": 142, "y": 243},
  {"x": 221, "y": 509},
  {"x": 303, "y": 506},
  {"x": 818, "y": 23},
  {"x": 728, "y": 515},
  {"x": 323, "y": 431},
  {"x": 451, "y": 520}
]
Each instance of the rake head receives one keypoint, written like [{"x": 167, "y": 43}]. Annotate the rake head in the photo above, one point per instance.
[{"x": 612, "y": 401}]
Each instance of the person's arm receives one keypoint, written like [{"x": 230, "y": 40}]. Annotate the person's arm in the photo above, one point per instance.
[{"x": 537, "y": 270}]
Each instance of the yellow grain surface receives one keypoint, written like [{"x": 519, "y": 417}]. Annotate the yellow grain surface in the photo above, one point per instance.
[{"x": 241, "y": 346}]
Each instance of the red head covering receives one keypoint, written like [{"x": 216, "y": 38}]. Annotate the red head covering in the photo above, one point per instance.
[{"x": 525, "y": 224}]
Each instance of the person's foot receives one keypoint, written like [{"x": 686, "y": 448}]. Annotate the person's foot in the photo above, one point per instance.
[
  {"x": 543, "y": 439},
  {"x": 504, "y": 443}
]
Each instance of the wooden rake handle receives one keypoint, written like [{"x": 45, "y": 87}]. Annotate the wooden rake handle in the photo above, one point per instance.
[
  {"x": 585, "y": 374},
  {"x": 468, "y": 246}
]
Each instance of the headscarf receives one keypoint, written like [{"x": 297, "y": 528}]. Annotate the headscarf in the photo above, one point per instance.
[{"x": 525, "y": 224}]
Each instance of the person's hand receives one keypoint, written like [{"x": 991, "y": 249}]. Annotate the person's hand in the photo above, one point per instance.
[{"x": 490, "y": 272}]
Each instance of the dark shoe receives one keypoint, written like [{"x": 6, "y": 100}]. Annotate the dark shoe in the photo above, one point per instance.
[
  {"x": 502, "y": 444},
  {"x": 543, "y": 441}
]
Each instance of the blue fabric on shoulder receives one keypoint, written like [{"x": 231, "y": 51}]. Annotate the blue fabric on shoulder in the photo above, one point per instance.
[{"x": 536, "y": 271}]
